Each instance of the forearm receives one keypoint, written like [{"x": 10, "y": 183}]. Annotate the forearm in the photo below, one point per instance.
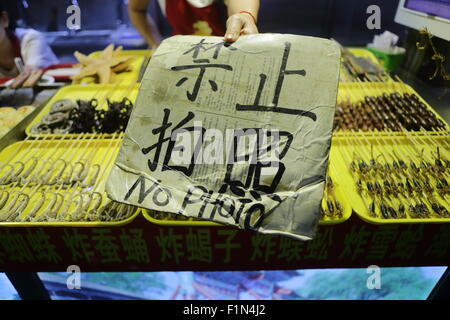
[
  {"x": 137, "y": 11},
  {"x": 236, "y": 6},
  {"x": 242, "y": 17}
]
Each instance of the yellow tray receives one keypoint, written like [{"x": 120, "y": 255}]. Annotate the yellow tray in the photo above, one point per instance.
[
  {"x": 172, "y": 222},
  {"x": 140, "y": 57},
  {"x": 364, "y": 53},
  {"x": 342, "y": 155},
  {"x": 354, "y": 92},
  {"x": 339, "y": 191},
  {"x": 85, "y": 92},
  {"x": 41, "y": 174}
]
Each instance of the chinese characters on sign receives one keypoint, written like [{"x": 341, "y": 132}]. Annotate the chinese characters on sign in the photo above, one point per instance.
[
  {"x": 238, "y": 134},
  {"x": 349, "y": 244},
  {"x": 276, "y": 97}
]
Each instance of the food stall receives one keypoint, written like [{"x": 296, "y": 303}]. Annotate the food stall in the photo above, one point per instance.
[{"x": 385, "y": 200}]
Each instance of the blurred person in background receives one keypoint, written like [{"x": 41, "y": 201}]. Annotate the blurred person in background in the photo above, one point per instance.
[
  {"x": 197, "y": 17},
  {"x": 27, "y": 44}
]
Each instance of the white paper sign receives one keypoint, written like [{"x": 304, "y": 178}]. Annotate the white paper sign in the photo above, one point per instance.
[{"x": 238, "y": 134}]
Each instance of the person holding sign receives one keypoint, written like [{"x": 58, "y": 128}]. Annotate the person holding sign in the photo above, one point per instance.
[{"x": 197, "y": 17}]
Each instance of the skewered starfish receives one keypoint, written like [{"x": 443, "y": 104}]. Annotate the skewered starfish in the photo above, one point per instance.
[{"x": 108, "y": 63}]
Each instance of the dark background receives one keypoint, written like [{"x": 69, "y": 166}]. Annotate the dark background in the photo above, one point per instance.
[
  {"x": 106, "y": 21},
  {"x": 344, "y": 20}
]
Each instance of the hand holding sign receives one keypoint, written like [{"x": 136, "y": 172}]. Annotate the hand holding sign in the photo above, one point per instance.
[{"x": 238, "y": 134}]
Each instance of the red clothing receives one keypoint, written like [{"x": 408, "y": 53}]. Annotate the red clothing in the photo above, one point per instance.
[{"x": 187, "y": 19}]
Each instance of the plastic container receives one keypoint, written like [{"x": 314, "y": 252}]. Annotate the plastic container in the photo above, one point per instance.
[
  {"x": 365, "y": 53},
  {"x": 406, "y": 148},
  {"x": 389, "y": 61},
  {"x": 174, "y": 222},
  {"x": 94, "y": 155}
]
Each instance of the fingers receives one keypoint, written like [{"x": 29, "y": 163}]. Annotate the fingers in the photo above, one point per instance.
[
  {"x": 152, "y": 44},
  {"x": 238, "y": 24},
  {"x": 249, "y": 28},
  {"x": 234, "y": 26}
]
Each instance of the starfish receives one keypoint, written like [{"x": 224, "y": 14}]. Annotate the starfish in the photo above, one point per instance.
[{"x": 105, "y": 66}]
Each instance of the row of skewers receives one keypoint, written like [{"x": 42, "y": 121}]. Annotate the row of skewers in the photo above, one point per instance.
[
  {"x": 103, "y": 110},
  {"x": 397, "y": 177},
  {"x": 392, "y": 112},
  {"x": 389, "y": 107},
  {"x": 404, "y": 176},
  {"x": 48, "y": 180},
  {"x": 392, "y": 187},
  {"x": 83, "y": 116}
]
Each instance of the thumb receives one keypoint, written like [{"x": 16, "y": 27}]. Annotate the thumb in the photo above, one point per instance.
[{"x": 234, "y": 27}]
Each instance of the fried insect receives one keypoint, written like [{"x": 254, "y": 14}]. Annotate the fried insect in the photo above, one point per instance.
[
  {"x": 384, "y": 211},
  {"x": 330, "y": 207},
  {"x": 392, "y": 212},
  {"x": 339, "y": 209},
  {"x": 378, "y": 189},
  {"x": 387, "y": 187},
  {"x": 401, "y": 210},
  {"x": 372, "y": 209},
  {"x": 393, "y": 112}
]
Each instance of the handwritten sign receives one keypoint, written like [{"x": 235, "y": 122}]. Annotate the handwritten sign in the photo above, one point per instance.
[{"x": 238, "y": 134}]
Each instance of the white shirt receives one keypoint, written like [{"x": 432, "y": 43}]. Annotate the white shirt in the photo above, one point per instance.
[{"x": 34, "y": 49}]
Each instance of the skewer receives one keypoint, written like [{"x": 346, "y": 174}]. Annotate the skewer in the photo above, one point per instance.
[
  {"x": 7, "y": 163},
  {"x": 78, "y": 193},
  {"x": 57, "y": 164},
  {"x": 113, "y": 148},
  {"x": 413, "y": 140},
  {"x": 385, "y": 142}
]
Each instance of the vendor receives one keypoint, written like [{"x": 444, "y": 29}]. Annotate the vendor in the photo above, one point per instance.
[
  {"x": 197, "y": 17},
  {"x": 27, "y": 44}
]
